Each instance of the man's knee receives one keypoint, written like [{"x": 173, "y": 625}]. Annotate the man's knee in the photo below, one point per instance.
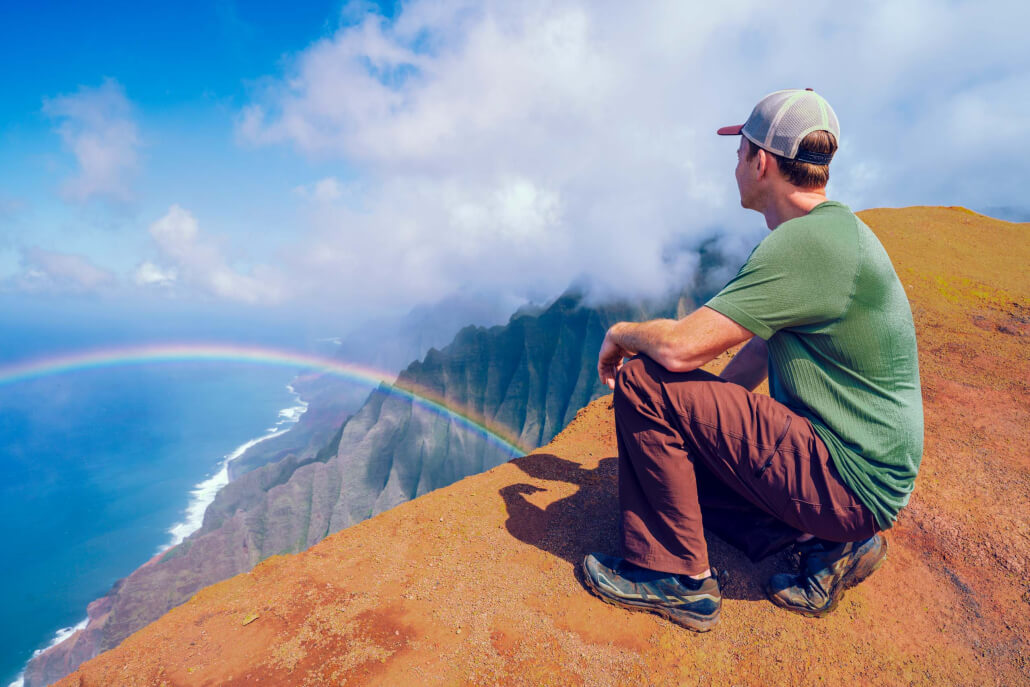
[
  {"x": 639, "y": 382},
  {"x": 633, "y": 378},
  {"x": 641, "y": 376}
]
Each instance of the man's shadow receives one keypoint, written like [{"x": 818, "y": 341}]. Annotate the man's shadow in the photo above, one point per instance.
[
  {"x": 588, "y": 521},
  {"x": 575, "y": 525}
]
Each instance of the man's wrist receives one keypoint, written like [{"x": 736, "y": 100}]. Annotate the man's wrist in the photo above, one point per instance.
[{"x": 616, "y": 331}]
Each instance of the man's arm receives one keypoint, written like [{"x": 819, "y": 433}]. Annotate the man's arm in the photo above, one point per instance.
[
  {"x": 750, "y": 366},
  {"x": 676, "y": 345}
]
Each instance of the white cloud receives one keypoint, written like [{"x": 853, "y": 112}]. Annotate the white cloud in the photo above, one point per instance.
[
  {"x": 97, "y": 126},
  {"x": 197, "y": 262},
  {"x": 149, "y": 274},
  {"x": 324, "y": 190},
  {"x": 51, "y": 271},
  {"x": 522, "y": 144}
]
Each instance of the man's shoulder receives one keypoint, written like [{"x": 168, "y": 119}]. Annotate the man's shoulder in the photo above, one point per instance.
[
  {"x": 823, "y": 219},
  {"x": 828, "y": 229}
]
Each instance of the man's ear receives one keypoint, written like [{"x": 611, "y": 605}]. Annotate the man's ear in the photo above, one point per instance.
[{"x": 763, "y": 160}]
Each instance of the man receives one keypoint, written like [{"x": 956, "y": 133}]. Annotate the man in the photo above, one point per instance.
[{"x": 829, "y": 458}]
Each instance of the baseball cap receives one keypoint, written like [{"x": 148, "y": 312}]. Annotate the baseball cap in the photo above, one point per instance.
[{"x": 782, "y": 119}]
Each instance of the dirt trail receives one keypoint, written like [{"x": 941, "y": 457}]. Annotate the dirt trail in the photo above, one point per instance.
[{"x": 476, "y": 583}]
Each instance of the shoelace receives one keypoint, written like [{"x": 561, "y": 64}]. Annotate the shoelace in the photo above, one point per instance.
[{"x": 802, "y": 552}]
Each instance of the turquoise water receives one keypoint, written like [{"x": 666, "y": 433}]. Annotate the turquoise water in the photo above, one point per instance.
[{"x": 97, "y": 466}]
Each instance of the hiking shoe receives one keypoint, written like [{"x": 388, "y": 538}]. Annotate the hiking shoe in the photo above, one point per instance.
[
  {"x": 694, "y": 604},
  {"x": 826, "y": 570}
]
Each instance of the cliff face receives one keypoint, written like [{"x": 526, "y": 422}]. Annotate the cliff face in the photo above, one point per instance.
[
  {"x": 476, "y": 583},
  {"x": 528, "y": 377},
  {"x": 387, "y": 345}
]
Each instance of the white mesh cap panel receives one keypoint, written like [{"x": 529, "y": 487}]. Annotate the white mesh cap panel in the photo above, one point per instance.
[{"x": 782, "y": 119}]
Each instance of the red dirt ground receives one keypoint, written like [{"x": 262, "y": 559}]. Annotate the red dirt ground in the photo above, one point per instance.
[{"x": 476, "y": 583}]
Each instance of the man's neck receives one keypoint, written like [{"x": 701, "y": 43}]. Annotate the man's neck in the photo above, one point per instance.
[{"x": 791, "y": 204}]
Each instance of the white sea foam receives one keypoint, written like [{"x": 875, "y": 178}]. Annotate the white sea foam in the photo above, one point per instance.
[
  {"x": 63, "y": 634},
  {"x": 59, "y": 636},
  {"x": 204, "y": 493},
  {"x": 291, "y": 415}
]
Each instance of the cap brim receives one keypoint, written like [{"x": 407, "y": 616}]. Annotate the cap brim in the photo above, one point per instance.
[{"x": 730, "y": 130}]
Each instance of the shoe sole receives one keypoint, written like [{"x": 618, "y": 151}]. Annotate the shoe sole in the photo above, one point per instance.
[
  {"x": 856, "y": 574},
  {"x": 684, "y": 619}
]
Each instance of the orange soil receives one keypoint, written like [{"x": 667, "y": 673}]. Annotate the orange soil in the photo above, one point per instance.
[{"x": 476, "y": 583}]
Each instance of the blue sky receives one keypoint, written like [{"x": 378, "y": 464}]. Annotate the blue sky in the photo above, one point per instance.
[
  {"x": 184, "y": 74},
  {"x": 358, "y": 158}
]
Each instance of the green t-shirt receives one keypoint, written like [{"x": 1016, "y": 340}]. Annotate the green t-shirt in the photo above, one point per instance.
[{"x": 842, "y": 347}]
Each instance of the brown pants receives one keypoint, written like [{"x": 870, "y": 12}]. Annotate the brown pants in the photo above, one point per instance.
[{"x": 695, "y": 448}]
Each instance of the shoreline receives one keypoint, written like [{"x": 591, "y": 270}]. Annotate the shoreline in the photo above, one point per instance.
[{"x": 201, "y": 496}]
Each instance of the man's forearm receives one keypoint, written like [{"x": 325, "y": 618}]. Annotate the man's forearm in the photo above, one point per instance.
[
  {"x": 649, "y": 338},
  {"x": 680, "y": 345},
  {"x": 750, "y": 366}
]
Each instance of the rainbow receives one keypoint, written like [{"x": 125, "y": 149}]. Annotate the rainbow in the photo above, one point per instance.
[{"x": 26, "y": 370}]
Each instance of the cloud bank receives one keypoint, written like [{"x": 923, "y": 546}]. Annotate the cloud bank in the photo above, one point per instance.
[
  {"x": 522, "y": 144},
  {"x": 97, "y": 126},
  {"x": 197, "y": 263},
  {"x": 46, "y": 271}
]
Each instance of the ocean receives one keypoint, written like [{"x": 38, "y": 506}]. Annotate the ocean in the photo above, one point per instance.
[{"x": 102, "y": 468}]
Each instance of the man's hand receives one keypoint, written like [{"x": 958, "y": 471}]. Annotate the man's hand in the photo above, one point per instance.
[{"x": 609, "y": 359}]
